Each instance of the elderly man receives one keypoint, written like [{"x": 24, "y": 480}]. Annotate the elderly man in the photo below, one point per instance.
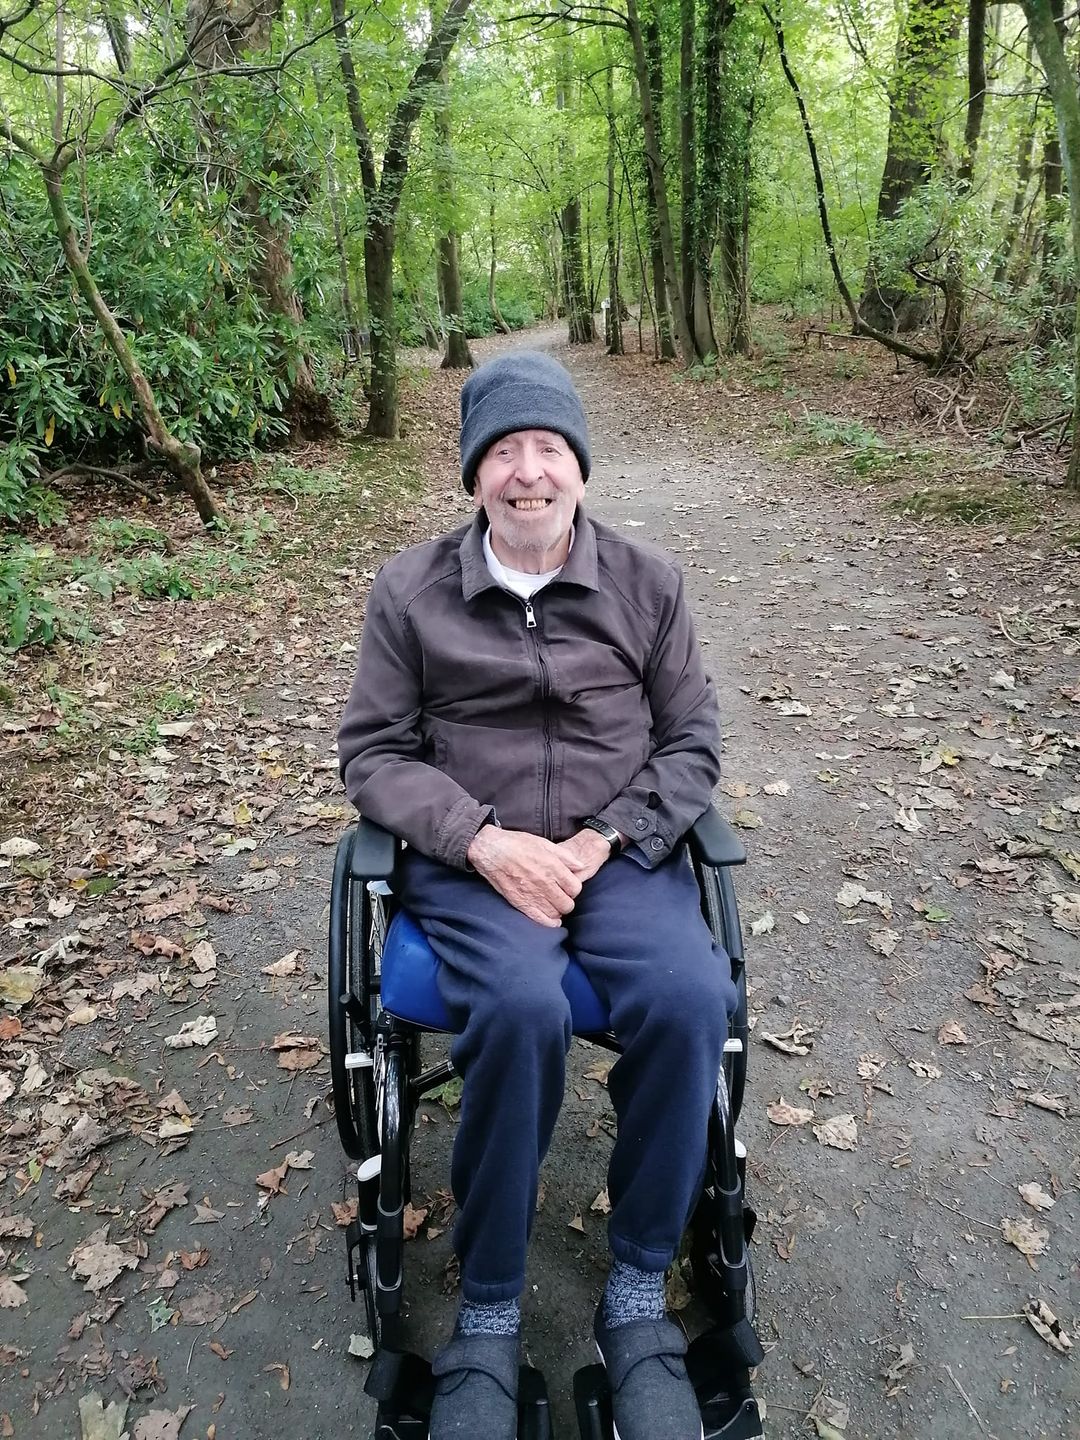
[{"x": 532, "y": 716}]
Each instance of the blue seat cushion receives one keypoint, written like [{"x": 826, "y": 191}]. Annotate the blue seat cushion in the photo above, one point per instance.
[{"x": 410, "y": 989}]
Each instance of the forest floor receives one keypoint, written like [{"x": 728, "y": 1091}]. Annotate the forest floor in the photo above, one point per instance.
[{"x": 899, "y": 673}]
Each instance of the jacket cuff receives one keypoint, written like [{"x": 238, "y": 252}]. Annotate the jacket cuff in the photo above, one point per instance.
[
  {"x": 458, "y": 830},
  {"x": 641, "y": 827}
]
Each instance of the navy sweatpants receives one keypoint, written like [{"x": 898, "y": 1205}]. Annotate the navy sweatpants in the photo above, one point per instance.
[{"x": 640, "y": 937}]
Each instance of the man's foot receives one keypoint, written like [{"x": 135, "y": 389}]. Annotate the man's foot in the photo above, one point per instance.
[
  {"x": 651, "y": 1394},
  {"x": 476, "y": 1384}
]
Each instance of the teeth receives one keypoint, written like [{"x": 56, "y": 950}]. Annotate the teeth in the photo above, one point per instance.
[{"x": 529, "y": 504}]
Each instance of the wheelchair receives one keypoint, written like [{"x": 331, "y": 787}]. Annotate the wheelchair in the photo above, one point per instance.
[{"x": 383, "y": 997}]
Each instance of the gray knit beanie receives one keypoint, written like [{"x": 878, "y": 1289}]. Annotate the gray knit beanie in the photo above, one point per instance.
[{"x": 524, "y": 390}]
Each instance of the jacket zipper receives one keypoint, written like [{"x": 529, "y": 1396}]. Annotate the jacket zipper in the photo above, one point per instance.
[{"x": 549, "y": 757}]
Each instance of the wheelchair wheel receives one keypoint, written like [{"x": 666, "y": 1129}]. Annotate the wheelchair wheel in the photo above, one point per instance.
[
  {"x": 708, "y": 1279},
  {"x": 357, "y": 932}
]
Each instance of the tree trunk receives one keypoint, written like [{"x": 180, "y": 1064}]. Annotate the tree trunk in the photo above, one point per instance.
[
  {"x": 976, "y": 101},
  {"x": 1061, "y": 81},
  {"x": 183, "y": 460},
  {"x": 379, "y": 280},
  {"x": 655, "y": 162},
  {"x": 579, "y": 317},
  {"x": 1024, "y": 153},
  {"x": 493, "y": 304},
  {"x": 220, "y": 32},
  {"x": 613, "y": 327},
  {"x": 458, "y": 356},
  {"x": 924, "y": 62},
  {"x": 382, "y": 197}
]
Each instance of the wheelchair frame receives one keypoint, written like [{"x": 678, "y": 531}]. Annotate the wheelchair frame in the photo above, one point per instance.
[{"x": 378, "y": 1085}]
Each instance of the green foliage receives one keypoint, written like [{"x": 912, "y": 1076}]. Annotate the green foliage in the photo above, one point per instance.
[
  {"x": 962, "y": 505},
  {"x": 31, "y": 611}
]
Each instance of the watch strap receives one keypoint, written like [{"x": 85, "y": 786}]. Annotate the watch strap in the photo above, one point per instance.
[{"x": 610, "y": 834}]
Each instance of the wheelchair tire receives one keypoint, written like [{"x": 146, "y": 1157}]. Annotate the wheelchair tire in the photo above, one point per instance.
[
  {"x": 708, "y": 1286},
  {"x": 357, "y": 930}
]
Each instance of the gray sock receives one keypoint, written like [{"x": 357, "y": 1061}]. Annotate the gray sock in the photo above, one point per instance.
[
  {"x": 633, "y": 1294},
  {"x": 501, "y": 1317}
]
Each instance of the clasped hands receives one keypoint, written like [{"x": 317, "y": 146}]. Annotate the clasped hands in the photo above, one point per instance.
[{"x": 541, "y": 878}]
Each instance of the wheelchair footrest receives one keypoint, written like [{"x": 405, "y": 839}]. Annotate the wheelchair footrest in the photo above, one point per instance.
[
  {"x": 728, "y": 1408},
  {"x": 404, "y": 1387}
]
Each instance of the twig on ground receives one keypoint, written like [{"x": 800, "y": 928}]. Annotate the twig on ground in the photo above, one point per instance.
[
  {"x": 967, "y": 1401},
  {"x": 974, "y": 1219}
]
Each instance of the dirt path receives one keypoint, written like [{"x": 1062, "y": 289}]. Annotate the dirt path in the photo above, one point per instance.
[{"x": 883, "y": 733}]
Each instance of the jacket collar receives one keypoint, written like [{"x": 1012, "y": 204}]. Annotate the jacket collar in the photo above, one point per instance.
[{"x": 580, "y": 567}]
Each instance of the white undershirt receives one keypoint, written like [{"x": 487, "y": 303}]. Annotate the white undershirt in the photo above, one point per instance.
[{"x": 518, "y": 582}]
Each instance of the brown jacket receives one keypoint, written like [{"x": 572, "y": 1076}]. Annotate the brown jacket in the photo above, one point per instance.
[{"x": 591, "y": 699}]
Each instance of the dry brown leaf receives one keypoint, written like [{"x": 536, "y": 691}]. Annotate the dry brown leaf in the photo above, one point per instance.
[
  {"x": 577, "y": 1224},
  {"x": 952, "y": 1033},
  {"x": 282, "y": 1372},
  {"x": 781, "y": 1113},
  {"x": 161, "y": 1424},
  {"x": 199, "y": 1031},
  {"x": 601, "y": 1205},
  {"x": 412, "y": 1221},
  {"x": 12, "y": 1295},
  {"x": 795, "y": 1040},
  {"x": 98, "y": 1262},
  {"x": 870, "y": 1065},
  {"x": 838, "y": 1131},
  {"x": 1030, "y": 1239}
]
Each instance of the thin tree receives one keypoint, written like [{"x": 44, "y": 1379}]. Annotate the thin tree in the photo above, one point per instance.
[{"x": 382, "y": 197}]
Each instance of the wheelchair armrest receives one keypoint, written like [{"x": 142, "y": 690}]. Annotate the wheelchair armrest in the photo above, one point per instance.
[
  {"x": 374, "y": 852},
  {"x": 714, "y": 842}
]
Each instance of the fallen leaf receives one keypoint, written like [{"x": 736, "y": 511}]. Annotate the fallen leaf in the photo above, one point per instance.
[
  {"x": 839, "y": 1131},
  {"x": 883, "y": 941},
  {"x": 18, "y": 848},
  {"x": 361, "y": 1347},
  {"x": 1027, "y": 1237},
  {"x": 161, "y": 1424},
  {"x": 1045, "y": 1323},
  {"x": 777, "y": 787},
  {"x": 199, "y": 1031},
  {"x": 905, "y": 1358},
  {"x": 831, "y": 1413},
  {"x": 413, "y": 1219},
  {"x": 12, "y": 1295},
  {"x": 256, "y": 881},
  {"x": 98, "y": 1262},
  {"x": 577, "y": 1224},
  {"x": 20, "y": 983},
  {"x": 1043, "y": 1101},
  {"x": 795, "y": 1040},
  {"x": 204, "y": 957},
  {"x": 869, "y": 1065},
  {"x": 285, "y": 966},
  {"x": 781, "y": 1113},
  {"x": 763, "y": 924},
  {"x": 1035, "y": 1196},
  {"x": 601, "y": 1205},
  {"x": 924, "y": 1069},
  {"x": 951, "y": 1033},
  {"x": 282, "y": 1372},
  {"x": 98, "y": 1423}
]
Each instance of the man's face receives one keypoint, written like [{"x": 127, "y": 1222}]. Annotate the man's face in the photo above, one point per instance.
[{"x": 530, "y": 484}]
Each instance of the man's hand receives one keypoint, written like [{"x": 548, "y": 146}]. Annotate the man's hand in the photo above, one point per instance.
[
  {"x": 585, "y": 853},
  {"x": 540, "y": 879}
]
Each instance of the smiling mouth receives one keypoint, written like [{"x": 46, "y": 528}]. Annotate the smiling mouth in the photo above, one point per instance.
[{"x": 523, "y": 504}]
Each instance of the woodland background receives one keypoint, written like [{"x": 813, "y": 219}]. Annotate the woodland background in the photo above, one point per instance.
[{"x": 220, "y": 221}]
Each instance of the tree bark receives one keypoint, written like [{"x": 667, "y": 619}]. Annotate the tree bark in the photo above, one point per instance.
[
  {"x": 458, "y": 355},
  {"x": 1061, "y": 81},
  {"x": 382, "y": 198},
  {"x": 614, "y": 334},
  {"x": 493, "y": 304},
  {"x": 579, "y": 317},
  {"x": 917, "y": 110},
  {"x": 655, "y": 162},
  {"x": 183, "y": 460},
  {"x": 219, "y": 32}
]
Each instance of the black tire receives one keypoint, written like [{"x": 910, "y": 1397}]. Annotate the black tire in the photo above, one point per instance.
[
  {"x": 708, "y": 1286},
  {"x": 357, "y": 932}
]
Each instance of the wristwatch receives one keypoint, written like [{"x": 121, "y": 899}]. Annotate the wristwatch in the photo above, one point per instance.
[{"x": 610, "y": 834}]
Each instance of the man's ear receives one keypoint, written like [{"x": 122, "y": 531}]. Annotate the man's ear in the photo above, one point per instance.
[{"x": 477, "y": 498}]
